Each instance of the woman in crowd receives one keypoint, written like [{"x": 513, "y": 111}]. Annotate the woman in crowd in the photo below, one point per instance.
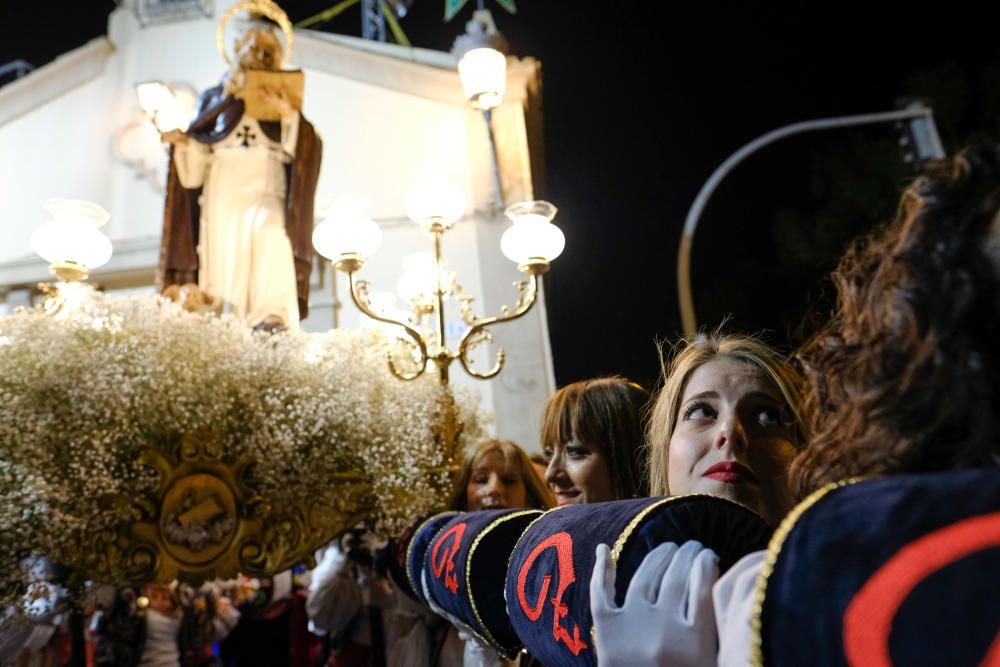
[
  {"x": 592, "y": 435},
  {"x": 499, "y": 475},
  {"x": 354, "y": 601},
  {"x": 725, "y": 423},
  {"x": 905, "y": 377}
]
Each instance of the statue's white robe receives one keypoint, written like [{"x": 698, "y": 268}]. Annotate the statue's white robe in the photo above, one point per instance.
[{"x": 245, "y": 257}]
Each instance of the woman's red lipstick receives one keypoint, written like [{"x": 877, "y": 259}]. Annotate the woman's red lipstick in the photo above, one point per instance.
[{"x": 730, "y": 471}]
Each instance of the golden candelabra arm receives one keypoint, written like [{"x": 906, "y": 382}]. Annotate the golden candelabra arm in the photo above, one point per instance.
[
  {"x": 359, "y": 294},
  {"x": 439, "y": 293},
  {"x": 448, "y": 430},
  {"x": 527, "y": 295}
]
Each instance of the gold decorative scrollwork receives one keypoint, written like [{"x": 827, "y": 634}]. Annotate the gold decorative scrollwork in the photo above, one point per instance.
[{"x": 206, "y": 519}]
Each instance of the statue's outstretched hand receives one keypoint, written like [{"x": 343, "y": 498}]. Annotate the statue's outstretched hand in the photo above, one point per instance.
[{"x": 667, "y": 617}]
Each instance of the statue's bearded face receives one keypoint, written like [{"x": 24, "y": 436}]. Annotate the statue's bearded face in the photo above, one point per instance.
[{"x": 259, "y": 49}]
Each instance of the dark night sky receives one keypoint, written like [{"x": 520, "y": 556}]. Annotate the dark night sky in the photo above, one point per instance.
[{"x": 641, "y": 104}]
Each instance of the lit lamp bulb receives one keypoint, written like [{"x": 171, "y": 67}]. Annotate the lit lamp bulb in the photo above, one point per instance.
[
  {"x": 532, "y": 241},
  {"x": 347, "y": 236},
  {"x": 419, "y": 279},
  {"x": 435, "y": 203},
  {"x": 71, "y": 242},
  {"x": 482, "y": 65},
  {"x": 484, "y": 77},
  {"x": 159, "y": 103}
]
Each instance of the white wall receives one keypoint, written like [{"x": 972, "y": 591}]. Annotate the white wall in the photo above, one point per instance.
[{"x": 55, "y": 149}]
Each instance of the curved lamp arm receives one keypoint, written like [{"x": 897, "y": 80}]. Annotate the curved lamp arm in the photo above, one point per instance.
[
  {"x": 526, "y": 299},
  {"x": 684, "y": 295},
  {"x": 359, "y": 294}
]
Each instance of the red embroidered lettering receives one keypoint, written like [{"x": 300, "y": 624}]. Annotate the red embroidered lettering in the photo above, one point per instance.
[
  {"x": 868, "y": 620},
  {"x": 446, "y": 563},
  {"x": 563, "y": 544}
]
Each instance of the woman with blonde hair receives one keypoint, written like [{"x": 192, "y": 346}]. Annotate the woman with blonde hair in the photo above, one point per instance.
[
  {"x": 726, "y": 422},
  {"x": 496, "y": 474}
]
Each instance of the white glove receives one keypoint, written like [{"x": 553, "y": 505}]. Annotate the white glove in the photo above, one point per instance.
[
  {"x": 734, "y": 598},
  {"x": 667, "y": 617},
  {"x": 331, "y": 563}
]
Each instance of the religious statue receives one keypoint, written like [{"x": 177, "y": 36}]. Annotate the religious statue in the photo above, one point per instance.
[{"x": 241, "y": 182}]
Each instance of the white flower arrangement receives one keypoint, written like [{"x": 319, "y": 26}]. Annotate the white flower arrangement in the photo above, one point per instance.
[{"x": 85, "y": 391}]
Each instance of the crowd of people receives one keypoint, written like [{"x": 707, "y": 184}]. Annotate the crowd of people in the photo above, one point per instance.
[{"x": 901, "y": 388}]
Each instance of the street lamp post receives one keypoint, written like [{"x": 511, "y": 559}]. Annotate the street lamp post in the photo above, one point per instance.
[
  {"x": 926, "y": 142},
  {"x": 482, "y": 66}
]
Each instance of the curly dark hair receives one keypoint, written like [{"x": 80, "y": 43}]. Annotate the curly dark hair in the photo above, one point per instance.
[{"x": 906, "y": 375}]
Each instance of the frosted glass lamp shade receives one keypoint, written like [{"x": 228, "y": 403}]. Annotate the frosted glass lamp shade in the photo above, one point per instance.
[
  {"x": 484, "y": 77},
  {"x": 154, "y": 96},
  {"x": 435, "y": 200},
  {"x": 72, "y": 235},
  {"x": 347, "y": 235},
  {"x": 419, "y": 279},
  {"x": 532, "y": 239},
  {"x": 158, "y": 101}
]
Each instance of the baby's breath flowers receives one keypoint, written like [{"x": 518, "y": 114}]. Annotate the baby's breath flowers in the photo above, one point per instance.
[{"x": 83, "y": 393}]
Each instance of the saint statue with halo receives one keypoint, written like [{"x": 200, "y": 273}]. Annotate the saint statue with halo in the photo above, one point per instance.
[{"x": 242, "y": 180}]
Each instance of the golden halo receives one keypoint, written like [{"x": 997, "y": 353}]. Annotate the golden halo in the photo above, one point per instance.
[{"x": 266, "y": 8}]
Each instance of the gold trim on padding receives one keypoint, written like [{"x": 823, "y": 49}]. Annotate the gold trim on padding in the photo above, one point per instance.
[
  {"x": 489, "y": 639},
  {"x": 773, "y": 548},
  {"x": 409, "y": 547},
  {"x": 616, "y": 551}
]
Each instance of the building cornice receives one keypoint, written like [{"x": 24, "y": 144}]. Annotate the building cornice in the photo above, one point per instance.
[{"x": 419, "y": 72}]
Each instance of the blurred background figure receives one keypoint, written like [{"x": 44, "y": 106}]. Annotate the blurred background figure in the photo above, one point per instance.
[{"x": 162, "y": 626}]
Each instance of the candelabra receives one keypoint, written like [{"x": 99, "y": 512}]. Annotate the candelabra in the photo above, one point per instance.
[{"x": 348, "y": 237}]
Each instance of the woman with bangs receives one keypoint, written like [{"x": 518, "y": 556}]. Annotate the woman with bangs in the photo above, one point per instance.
[{"x": 592, "y": 436}]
